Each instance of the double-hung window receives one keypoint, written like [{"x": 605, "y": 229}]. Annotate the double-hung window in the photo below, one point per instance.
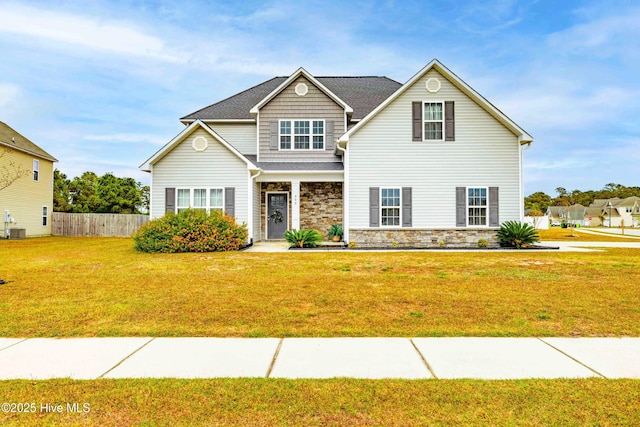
[
  {"x": 45, "y": 215},
  {"x": 433, "y": 119},
  {"x": 184, "y": 199},
  {"x": 208, "y": 199},
  {"x": 390, "y": 207},
  {"x": 477, "y": 206},
  {"x": 36, "y": 169},
  {"x": 216, "y": 199},
  {"x": 301, "y": 134}
]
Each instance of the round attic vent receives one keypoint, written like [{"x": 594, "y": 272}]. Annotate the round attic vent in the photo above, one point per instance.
[
  {"x": 433, "y": 85},
  {"x": 200, "y": 143},
  {"x": 302, "y": 89}
]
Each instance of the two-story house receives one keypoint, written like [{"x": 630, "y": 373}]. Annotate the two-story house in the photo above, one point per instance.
[
  {"x": 412, "y": 164},
  {"x": 26, "y": 185}
]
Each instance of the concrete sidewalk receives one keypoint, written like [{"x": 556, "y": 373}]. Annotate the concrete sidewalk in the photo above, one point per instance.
[{"x": 416, "y": 358}]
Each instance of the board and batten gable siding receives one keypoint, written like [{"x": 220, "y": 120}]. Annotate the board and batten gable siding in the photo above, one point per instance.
[
  {"x": 484, "y": 154},
  {"x": 288, "y": 105},
  {"x": 241, "y": 135},
  {"x": 183, "y": 167},
  {"x": 24, "y": 198}
]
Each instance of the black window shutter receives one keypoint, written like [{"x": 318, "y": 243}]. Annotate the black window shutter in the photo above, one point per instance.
[
  {"x": 449, "y": 122},
  {"x": 328, "y": 135},
  {"x": 494, "y": 210},
  {"x": 273, "y": 136},
  {"x": 406, "y": 206},
  {"x": 169, "y": 200},
  {"x": 416, "y": 108},
  {"x": 230, "y": 201},
  {"x": 461, "y": 206},
  {"x": 374, "y": 206}
]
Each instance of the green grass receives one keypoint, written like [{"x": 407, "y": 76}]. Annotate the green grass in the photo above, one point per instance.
[
  {"x": 583, "y": 235},
  {"x": 101, "y": 287},
  {"x": 335, "y": 402},
  {"x": 60, "y": 287}
]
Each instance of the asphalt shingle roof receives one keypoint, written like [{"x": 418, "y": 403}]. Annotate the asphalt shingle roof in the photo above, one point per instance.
[
  {"x": 295, "y": 166},
  {"x": 363, "y": 94},
  {"x": 12, "y": 139}
]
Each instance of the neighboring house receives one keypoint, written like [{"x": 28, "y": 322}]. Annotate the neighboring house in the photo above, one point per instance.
[
  {"x": 574, "y": 214},
  {"x": 622, "y": 211},
  {"x": 27, "y": 201},
  {"x": 411, "y": 164}
]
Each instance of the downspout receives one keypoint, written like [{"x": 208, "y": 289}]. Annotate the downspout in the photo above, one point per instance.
[
  {"x": 524, "y": 147},
  {"x": 345, "y": 192},
  {"x": 251, "y": 198}
]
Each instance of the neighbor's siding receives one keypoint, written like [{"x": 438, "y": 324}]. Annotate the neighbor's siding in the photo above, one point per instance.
[
  {"x": 287, "y": 105},
  {"x": 241, "y": 135},
  {"x": 25, "y": 197},
  {"x": 382, "y": 154},
  {"x": 183, "y": 167}
]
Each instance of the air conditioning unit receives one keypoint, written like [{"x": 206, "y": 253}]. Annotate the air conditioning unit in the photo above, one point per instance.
[{"x": 17, "y": 233}]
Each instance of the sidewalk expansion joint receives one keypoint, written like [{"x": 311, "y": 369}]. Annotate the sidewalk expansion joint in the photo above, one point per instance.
[
  {"x": 14, "y": 344},
  {"x": 275, "y": 356},
  {"x": 126, "y": 358},
  {"x": 423, "y": 359},
  {"x": 572, "y": 358}
]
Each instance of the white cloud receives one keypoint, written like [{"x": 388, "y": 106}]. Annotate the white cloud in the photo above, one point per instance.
[
  {"x": 87, "y": 32},
  {"x": 8, "y": 93},
  {"x": 602, "y": 37},
  {"x": 127, "y": 138}
]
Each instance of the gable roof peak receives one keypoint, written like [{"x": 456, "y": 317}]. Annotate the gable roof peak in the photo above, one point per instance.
[{"x": 300, "y": 72}]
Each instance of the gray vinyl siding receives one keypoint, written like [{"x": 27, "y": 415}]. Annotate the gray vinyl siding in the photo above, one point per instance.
[
  {"x": 241, "y": 135},
  {"x": 183, "y": 167},
  {"x": 484, "y": 154},
  {"x": 287, "y": 105}
]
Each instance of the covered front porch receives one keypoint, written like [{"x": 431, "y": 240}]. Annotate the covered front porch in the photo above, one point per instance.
[{"x": 296, "y": 204}]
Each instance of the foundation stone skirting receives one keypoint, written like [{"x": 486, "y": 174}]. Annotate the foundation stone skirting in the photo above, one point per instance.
[{"x": 421, "y": 238}]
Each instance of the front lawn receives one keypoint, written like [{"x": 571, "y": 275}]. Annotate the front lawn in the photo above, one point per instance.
[
  {"x": 59, "y": 287},
  {"x": 335, "y": 402}
]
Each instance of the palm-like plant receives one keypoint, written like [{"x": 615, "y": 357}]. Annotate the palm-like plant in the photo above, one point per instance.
[
  {"x": 304, "y": 238},
  {"x": 517, "y": 234}
]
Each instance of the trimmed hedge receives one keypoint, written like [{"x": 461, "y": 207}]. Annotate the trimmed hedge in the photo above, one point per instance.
[{"x": 192, "y": 230}]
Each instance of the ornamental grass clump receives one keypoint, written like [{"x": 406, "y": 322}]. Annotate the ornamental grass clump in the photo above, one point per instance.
[
  {"x": 517, "y": 234},
  {"x": 192, "y": 230},
  {"x": 304, "y": 238}
]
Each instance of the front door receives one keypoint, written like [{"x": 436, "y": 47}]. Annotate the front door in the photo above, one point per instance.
[{"x": 277, "y": 215}]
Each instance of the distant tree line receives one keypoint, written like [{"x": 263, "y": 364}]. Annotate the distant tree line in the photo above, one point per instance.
[
  {"x": 90, "y": 193},
  {"x": 540, "y": 201}
]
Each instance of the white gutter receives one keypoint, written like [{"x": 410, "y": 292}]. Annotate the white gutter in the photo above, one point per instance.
[
  {"x": 345, "y": 191},
  {"x": 250, "y": 204},
  {"x": 524, "y": 146}
]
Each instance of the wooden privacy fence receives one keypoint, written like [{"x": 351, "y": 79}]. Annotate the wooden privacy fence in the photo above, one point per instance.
[{"x": 96, "y": 225}]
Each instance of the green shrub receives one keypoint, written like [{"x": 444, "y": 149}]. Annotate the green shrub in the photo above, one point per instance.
[
  {"x": 304, "y": 238},
  {"x": 192, "y": 230},
  {"x": 517, "y": 234},
  {"x": 483, "y": 243}
]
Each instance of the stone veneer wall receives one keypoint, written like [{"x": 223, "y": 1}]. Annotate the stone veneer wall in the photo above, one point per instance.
[
  {"x": 420, "y": 238},
  {"x": 283, "y": 187},
  {"x": 320, "y": 205}
]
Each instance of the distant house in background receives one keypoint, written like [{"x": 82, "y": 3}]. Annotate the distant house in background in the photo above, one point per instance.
[
  {"x": 602, "y": 212},
  {"x": 617, "y": 211},
  {"x": 26, "y": 185},
  {"x": 574, "y": 214}
]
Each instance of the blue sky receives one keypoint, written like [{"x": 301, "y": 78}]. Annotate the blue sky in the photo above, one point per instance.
[{"x": 101, "y": 85}]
